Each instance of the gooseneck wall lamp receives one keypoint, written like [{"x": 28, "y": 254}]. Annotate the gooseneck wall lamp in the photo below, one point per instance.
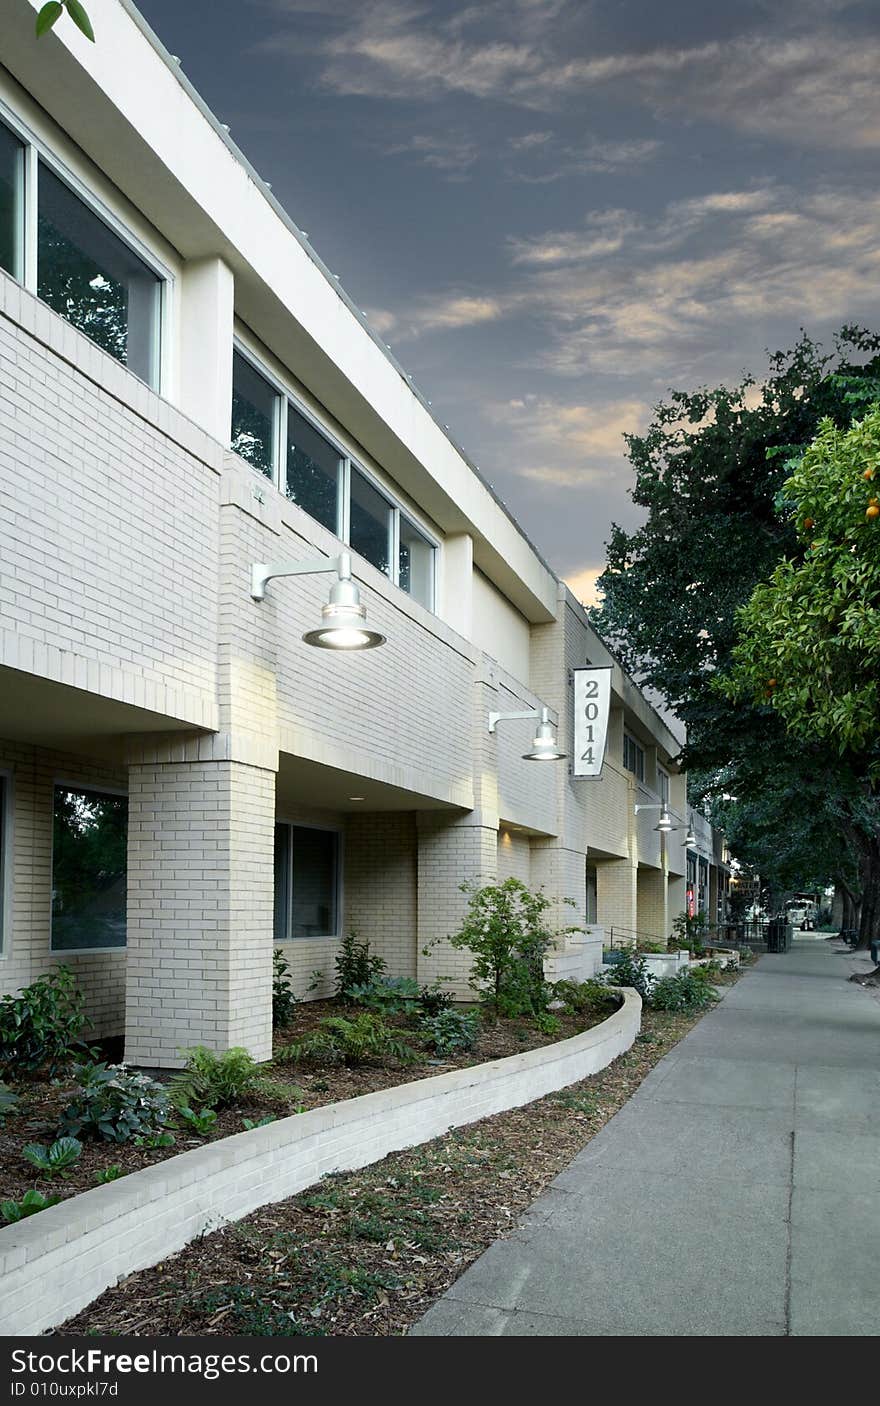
[
  {"x": 665, "y": 825},
  {"x": 544, "y": 748},
  {"x": 343, "y": 618}
]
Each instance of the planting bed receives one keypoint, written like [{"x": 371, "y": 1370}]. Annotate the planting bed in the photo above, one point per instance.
[
  {"x": 305, "y": 1086},
  {"x": 367, "y": 1252}
]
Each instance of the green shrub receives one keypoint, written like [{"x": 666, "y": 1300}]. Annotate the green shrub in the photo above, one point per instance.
[
  {"x": 691, "y": 933},
  {"x": 389, "y": 995},
  {"x": 631, "y": 970},
  {"x": 584, "y": 997},
  {"x": 216, "y": 1080},
  {"x": 203, "y": 1122},
  {"x": 114, "y": 1103},
  {"x": 506, "y": 929},
  {"x": 249, "y": 1123},
  {"x": 336, "y": 1040},
  {"x": 30, "y": 1203},
  {"x": 433, "y": 999},
  {"x": 55, "y": 1160},
  {"x": 283, "y": 999},
  {"x": 9, "y": 1102},
  {"x": 686, "y": 991},
  {"x": 450, "y": 1031},
  {"x": 40, "y": 1027},
  {"x": 548, "y": 1023},
  {"x": 108, "y": 1174},
  {"x": 153, "y": 1140},
  {"x": 356, "y": 965}
]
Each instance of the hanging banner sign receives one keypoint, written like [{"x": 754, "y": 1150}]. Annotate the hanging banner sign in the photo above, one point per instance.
[{"x": 592, "y": 702}]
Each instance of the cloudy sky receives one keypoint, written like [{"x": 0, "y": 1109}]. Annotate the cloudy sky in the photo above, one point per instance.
[{"x": 556, "y": 210}]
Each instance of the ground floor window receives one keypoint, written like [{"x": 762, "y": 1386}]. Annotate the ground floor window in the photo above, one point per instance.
[
  {"x": 89, "y": 840},
  {"x": 4, "y": 859},
  {"x": 592, "y": 894},
  {"x": 307, "y": 882}
]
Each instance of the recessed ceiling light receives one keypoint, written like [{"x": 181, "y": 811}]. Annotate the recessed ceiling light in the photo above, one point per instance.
[{"x": 357, "y": 798}]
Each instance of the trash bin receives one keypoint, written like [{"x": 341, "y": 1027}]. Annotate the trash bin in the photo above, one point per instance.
[{"x": 776, "y": 935}]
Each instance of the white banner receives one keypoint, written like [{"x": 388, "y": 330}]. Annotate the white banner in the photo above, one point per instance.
[{"x": 592, "y": 702}]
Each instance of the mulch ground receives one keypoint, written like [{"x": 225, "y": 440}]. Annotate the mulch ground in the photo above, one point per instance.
[
  {"x": 302, "y": 1087},
  {"x": 366, "y": 1253}
]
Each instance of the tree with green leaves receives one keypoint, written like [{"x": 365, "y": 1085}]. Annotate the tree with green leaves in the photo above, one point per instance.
[
  {"x": 50, "y": 13},
  {"x": 809, "y": 636},
  {"x": 708, "y": 475}
]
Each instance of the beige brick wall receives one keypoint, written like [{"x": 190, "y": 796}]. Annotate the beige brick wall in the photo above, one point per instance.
[
  {"x": 381, "y": 886},
  {"x": 108, "y": 540},
  {"x": 200, "y": 909},
  {"x": 450, "y": 852}
]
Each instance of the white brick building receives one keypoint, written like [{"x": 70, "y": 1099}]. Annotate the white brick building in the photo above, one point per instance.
[{"x": 158, "y": 307}]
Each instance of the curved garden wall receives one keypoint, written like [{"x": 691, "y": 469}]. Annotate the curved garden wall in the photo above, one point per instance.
[{"x": 56, "y": 1262}]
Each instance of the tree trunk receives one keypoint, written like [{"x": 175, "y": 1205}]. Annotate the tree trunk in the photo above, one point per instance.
[
  {"x": 869, "y": 873},
  {"x": 850, "y": 916}
]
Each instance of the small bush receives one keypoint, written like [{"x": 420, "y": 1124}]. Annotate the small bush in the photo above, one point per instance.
[
  {"x": 114, "y": 1103},
  {"x": 506, "y": 929},
  {"x": 216, "y": 1080},
  {"x": 9, "y": 1102},
  {"x": 584, "y": 997},
  {"x": 686, "y": 991},
  {"x": 40, "y": 1027},
  {"x": 283, "y": 999},
  {"x": 203, "y": 1122},
  {"x": 55, "y": 1160},
  {"x": 433, "y": 999},
  {"x": 631, "y": 971},
  {"x": 108, "y": 1174},
  {"x": 336, "y": 1040},
  {"x": 389, "y": 995},
  {"x": 356, "y": 965},
  {"x": 548, "y": 1023},
  {"x": 30, "y": 1203},
  {"x": 448, "y": 1031}
]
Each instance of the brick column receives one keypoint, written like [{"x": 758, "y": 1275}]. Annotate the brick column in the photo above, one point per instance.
[
  {"x": 200, "y": 903},
  {"x": 450, "y": 852},
  {"x": 652, "y": 918},
  {"x": 616, "y": 886}
]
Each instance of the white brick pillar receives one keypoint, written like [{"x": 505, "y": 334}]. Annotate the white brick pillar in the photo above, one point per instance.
[
  {"x": 450, "y": 852},
  {"x": 652, "y": 919},
  {"x": 205, "y": 379},
  {"x": 616, "y": 898},
  {"x": 200, "y": 904}
]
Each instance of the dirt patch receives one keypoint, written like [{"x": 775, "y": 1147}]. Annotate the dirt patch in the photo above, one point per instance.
[{"x": 366, "y": 1253}]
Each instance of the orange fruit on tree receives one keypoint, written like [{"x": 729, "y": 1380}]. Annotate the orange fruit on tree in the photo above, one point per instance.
[
  {"x": 869, "y": 473},
  {"x": 873, "y": 511},
  {"x": 808, "y": 523},
  {"x": 771, "y": 683}
]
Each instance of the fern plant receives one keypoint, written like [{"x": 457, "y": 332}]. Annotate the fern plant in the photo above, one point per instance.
[
  {"x": 336, "y": 1040},
  {"x": 215, "y": 1080}
]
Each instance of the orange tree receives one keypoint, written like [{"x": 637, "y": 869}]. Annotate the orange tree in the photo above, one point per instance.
[{"x": 808, "y": 642}]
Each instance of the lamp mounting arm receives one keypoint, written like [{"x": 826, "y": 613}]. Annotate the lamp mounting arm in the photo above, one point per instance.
[
  {"x": 263, "y": 572},
  {"x": 496, "y": 718}
]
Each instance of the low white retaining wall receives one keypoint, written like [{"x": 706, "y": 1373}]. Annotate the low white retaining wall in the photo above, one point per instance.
[{"x": 56, "y": 1262}]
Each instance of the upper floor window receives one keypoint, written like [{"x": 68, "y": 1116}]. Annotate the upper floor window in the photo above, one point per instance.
[
  {"x": 663, "y": 785},
  {"x": 55, "y": 242},
  {"x": 633, "y": 757},
  {"x": 314, "y": 471},
  {"x": 254, "y": 414},
  {"x": 11, "y": 203},
  {"x": 273, "y": 435},
  {"x": 93, "y": 279}
]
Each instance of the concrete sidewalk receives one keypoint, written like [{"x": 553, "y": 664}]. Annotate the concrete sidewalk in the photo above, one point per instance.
[{"x": 735, "y": 1195}]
